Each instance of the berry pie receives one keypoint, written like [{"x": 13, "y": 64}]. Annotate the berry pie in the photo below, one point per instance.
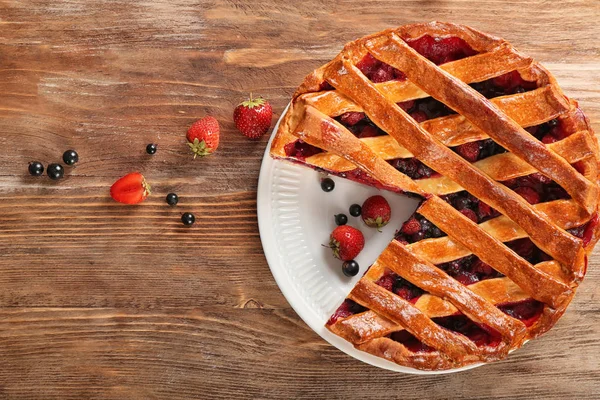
[{"x": 505, "y": 165}]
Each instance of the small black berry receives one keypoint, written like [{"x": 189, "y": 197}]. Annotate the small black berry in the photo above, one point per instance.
[
  {"x": 36, "y": 168},
  {"x": 350, "y": 268},
  {"x": 151, "y": 148},
  {"x": 55, "y": 171},
  {"x": 188, "y": 219},
  {"x": 70, "y": 157},
  {"x": 552, "y": 123},
  {"x": 327, "y": 184},
  {"x": 341, "y": 219},
  {"x": 172, "y": 199},
  {"x": 355, "y": 210}
]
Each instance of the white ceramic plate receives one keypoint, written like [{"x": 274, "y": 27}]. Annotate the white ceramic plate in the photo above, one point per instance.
[{"x": 295, "y": 218}]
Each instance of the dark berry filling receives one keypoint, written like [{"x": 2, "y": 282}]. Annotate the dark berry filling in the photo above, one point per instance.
[
  {"x": 301, "y": 149},
  {"x": 417, "y": 228},
  {"x": 400, "y": 286},
  {"x": 346, "y": 309},
  {"x": 470, "y": 269},
  {"x": 527, "y": 311},
  {"x": 481, "y": 335},
  {"x": 470, "y": 206},
  {"x": 410, "y": 342},
  {"x": 478, "y": 150},
  {"x": 528, "y": 250},
  {"x": 413, "y": 168},
  {"x": 537, "y": 188},
  {"x": 509, "y": 83},
  {"x": 378, "y": 71},
  {"x": 359, "y": 124}
]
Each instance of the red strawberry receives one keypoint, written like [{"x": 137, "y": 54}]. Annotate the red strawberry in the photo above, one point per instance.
[
  {"x": 203, "y": 136},
  {"x": 253, "y": 117},
  {"x": 346, "y": 242},
  {"x": 469, "y": 151},
  {"x": 528, "y": 194},
  {"x": 411, "y": 227},
  {"x": 376, "y": 212},
  {"x": 130, "y": 189}
]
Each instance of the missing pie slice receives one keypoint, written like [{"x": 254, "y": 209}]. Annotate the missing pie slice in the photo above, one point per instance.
[{"x": 507, "y": 169}]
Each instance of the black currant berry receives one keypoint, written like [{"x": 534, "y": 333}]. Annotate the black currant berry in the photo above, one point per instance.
[
  {"x": 341, "y": 219},
  {"x": 55, "y": 171},
  {"x": 327, "y": 184},
  {"x": 36, "y": 168},
  {"x": 172, "y": 199},
  {"x": 151, "y": 148},
  {"x": 188, "y": 219},
  {"x": 355, "y": 210},
  {"x": 70, "y": 157},
  {"x": 350, "y": 268}
]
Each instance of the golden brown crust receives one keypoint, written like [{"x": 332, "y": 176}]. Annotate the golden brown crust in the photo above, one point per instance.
[{"x": 310, "y": 118}]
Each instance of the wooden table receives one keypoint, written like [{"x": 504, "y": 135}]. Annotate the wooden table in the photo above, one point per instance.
[{"x": 100, "y": 300}]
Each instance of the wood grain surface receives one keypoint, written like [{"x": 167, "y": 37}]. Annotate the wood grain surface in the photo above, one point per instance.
[{"x": 103, "y": 301}]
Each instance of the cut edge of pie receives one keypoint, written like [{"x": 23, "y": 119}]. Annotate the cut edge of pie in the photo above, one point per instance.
[{"x": 507, "y": 169}]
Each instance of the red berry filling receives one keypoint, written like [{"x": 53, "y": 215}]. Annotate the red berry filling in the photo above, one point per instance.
[
  {"x": 586, "y": 231},
  {"x": 509, "y": 83},
  {"x": 527, "y": 311},
  {"x": 413, "y": 168},
  {"x": 537, "y": 188},
  {"x": 401, "y": 287},
  {"x": 378, "y": 71},
  {"x": 441, "y": 50},
  {"x": 346, "y": 309},
  {"x": 470, "y": 206},
  {"x": 359, "y": 124},
  {"x": 417, "y": 228},
  {"x": 410, "y": 342},
  {"x": 528, "y": 250},
  {"x": 301, "y": 149},
  {"x": 481, "y": 335}
]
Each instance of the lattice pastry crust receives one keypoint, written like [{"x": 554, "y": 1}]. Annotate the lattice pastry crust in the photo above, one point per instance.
[{"x": 311, "y": 118}]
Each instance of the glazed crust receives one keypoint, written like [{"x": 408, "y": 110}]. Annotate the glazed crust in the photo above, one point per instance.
[{"x": 310, "y": 118}]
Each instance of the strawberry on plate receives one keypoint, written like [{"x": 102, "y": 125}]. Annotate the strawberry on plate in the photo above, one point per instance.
[
  {"x": 346, "y": 242},
  {"x": 376, "y": 212},
  {"x": 203, "y": 136},
  {"x": 253, "y": 117},
  {"x": 130, "y": 189}
]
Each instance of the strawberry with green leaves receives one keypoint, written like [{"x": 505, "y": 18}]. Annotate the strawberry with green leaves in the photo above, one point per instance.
[
  {"x": 376, "y": 212},
  {"x": 203, "y": 136},
  {"x": 253, "y": 117},
  {"x": 346, "y": 242}
]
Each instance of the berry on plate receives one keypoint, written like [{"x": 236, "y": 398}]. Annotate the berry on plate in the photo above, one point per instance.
[
  {"x": 341, "y": 219},
  {"x": 253, "y": 117},
  {"x": 130, "y": 189},
  {"x": 203, "y": 136},
  {"x": 346, "y": 242},
  {"x": 355, "y": 210},
  {"x": 376, "y": 212},
  {"x": 350, "y": 268},
  {"x": 327, "y": 184}
]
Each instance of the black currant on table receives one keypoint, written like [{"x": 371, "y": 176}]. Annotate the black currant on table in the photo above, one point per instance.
[
  {"x": 355, "y": 210},
  {"x": 172, "y": 199},
  {"x": 55, "y": 171},
  {"x": 36, "y": 168},
  {"x": 151, "y": 148},
  {"x": 350, "y": 268},
  {"x": 188, "y": 219},
  {"x": 327, "y": 184},
  {"x": 341, "y": 219},
  {"x": 70, "y": 157}
]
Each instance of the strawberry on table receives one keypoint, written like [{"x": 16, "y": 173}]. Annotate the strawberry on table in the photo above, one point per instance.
[
  {"x": 376, "y": 212},
  {"x": 130, "y": 189},
  {"x": 346, "y": 242},
  {"x": 253, "y": 117},
  {"x": 203, "y": 136}
]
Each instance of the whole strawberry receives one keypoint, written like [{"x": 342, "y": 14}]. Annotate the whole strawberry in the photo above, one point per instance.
[
  {"x": 346, "y": 242},
  {"x": 253, "y": 117},
  {"x": 376, "y": 212},
  {"x": 130, "y": 189},
  {"x": 203, "y": 136}
]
